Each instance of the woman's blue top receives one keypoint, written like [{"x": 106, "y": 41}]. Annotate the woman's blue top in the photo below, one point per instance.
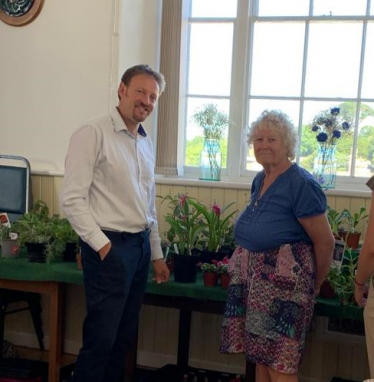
[{"x": 271, "y": 220}]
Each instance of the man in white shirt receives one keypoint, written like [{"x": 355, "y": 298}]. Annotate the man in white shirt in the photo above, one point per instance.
[{"x": 108, "y": 195}]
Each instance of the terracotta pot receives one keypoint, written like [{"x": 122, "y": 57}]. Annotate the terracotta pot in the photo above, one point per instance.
[
  {"x": 225, "y": 279},
  {"x": 326, "y": 290},
  {"x": 210, "y": 279},
  {"x": 353, "y": 239}
]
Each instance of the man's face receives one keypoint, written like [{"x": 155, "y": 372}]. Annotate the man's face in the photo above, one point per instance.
[{"x": 138, "y": 99}]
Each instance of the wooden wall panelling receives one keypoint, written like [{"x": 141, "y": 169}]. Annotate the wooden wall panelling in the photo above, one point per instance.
[
  {"x": 330, "y": 360},
  {"x": 359, "y": 363}
]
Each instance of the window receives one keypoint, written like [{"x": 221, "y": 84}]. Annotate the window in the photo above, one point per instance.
[{"x": 300, "y": 56}]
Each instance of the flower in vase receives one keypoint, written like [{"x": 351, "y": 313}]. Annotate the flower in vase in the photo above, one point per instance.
[{"x": 329, "y": 126}]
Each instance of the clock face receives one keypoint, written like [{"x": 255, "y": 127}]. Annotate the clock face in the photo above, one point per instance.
[{"x": 19, "y": 12}]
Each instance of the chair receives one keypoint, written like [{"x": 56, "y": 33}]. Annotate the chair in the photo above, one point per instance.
[{"x": 15, "y": 200}]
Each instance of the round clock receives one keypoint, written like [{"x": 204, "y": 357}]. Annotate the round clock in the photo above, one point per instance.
[{"x": 19, "y": 12}]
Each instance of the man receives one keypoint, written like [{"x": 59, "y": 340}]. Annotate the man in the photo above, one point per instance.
[{"x": 108, "y": 195}]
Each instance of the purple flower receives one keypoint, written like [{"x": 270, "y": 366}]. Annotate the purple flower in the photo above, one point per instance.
[
  {"x": 322, "y": 137},
  {"x": 336, "y": 134},
  {"x": 345, "y": 126}
]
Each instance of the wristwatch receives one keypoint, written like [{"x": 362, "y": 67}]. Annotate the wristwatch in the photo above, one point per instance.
[{"x": 19, "y": 12}]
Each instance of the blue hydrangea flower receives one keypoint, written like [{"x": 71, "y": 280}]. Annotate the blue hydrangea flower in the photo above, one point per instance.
[
  {"x": 345, "y": 126},
  {"x": 315, "y": 128},
  {"x": 322, "y": 137},
  {"x": 335, "y": 111},
  {"x": 336, "y": 134}
]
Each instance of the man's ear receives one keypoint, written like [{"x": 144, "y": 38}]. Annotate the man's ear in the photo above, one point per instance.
[{"x": 121, "y": 90}]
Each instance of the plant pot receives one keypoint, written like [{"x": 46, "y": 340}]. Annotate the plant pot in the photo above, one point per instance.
[
  {"x": 9, "y": 248},
  {"x": 210, "y": 279},
  {"x": 185, "y": 268},
  {"x": 225, "y": 280},
  {"x": 209, "y": 256},
  {"x": 36, "y": 252},
  {"x": 353, "y": 239},
  {"x": 326, "y": 290},
  {"x": 69, "y": 254}
]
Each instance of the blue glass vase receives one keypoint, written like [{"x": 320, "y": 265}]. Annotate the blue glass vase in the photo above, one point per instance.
[
  {"x": 210, "y": 160},
  {"x": 324, "y": 169}
]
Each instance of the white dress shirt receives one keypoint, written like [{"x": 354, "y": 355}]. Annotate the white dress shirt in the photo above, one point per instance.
[{"x": 109, "y": 182}]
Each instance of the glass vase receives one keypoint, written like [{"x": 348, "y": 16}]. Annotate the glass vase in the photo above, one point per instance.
[
  {"x": 210, "y": 160},
  {"x": 324, "y": 169}
]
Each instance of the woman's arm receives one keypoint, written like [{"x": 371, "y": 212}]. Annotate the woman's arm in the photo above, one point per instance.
[{"x": 318, "y": 229}]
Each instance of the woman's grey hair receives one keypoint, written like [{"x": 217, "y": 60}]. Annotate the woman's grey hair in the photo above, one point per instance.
[
  {"x": 144, "y": 69},
  {"x": 280, "y": 122}
]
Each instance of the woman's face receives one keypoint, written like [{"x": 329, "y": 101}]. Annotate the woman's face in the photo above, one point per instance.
[{"x": 269, "y": 147}]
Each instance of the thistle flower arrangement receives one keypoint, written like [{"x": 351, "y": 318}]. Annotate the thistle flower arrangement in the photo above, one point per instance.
[
  {"x": 212, "y": 121},
  {"x": 329, "y": 126}
]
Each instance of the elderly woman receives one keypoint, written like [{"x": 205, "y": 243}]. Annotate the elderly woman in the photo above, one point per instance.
[{"x": 284, "y": 252}]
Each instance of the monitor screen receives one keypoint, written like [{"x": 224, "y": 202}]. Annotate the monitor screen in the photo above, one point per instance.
[{"x": 13, "y": 189}]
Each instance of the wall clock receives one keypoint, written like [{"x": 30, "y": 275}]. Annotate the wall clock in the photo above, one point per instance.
[{"x": 19, "y": 12}]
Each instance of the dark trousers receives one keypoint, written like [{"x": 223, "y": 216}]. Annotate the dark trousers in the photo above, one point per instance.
[{"x": 114, "y": 290}]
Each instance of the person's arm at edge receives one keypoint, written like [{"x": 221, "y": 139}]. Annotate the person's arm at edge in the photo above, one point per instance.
[
  {"x": 318, "y": 229},
  {"x": 365, "y": 265}
]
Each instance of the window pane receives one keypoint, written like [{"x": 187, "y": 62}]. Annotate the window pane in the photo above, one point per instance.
[
  {"x": 214, "y": 8},
  {"x": 309, "y": 144},
  {"x": 368, "y": 79},
  {"x": 194, "y": 133},
  {"x": 339, "y": 7},
  {"x": 333, "y": 62},
  {"x": 210, "y": 59},
  {"x": 284, "y": 8},
  {"x": 277, "y": 59},
  {"x": 365, "y": 153},
  {"x": 256, "y": 107}
]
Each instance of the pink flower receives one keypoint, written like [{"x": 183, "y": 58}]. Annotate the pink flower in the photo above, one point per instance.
[
  {"x": 182, "y": 199},
  {"x": 216, "y": 209}
]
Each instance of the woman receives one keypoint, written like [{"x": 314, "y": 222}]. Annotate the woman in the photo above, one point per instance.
[
  {"x": 365, "y": 269},
  {"x": 284, "y": 252}
]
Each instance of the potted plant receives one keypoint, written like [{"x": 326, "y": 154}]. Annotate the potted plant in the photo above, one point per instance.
[
  {"x": 342, "y": 279},
  {"x": 218, "y": 230},
  {"x": 185, "y": 236},
  {"x": 65, "y": 240},
  {"x": 351, "y": 222},
  {"x": 8, "y": 242},
  {"x": 223, "y": 272},
  {"x": 214, "y": 124},
  {"x": 336, "y": 220},
  {"x": 210, "y": 275},
  {"x": 35, "y": 231}
]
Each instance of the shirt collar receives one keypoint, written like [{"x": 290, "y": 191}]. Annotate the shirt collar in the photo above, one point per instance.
[{"x": 120, "y": 125}]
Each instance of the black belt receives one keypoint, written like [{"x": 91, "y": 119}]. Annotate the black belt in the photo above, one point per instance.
[{"x": 125, "y": 234}]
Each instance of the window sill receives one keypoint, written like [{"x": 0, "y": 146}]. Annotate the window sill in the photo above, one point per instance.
[{"x": 358, "y": 190}]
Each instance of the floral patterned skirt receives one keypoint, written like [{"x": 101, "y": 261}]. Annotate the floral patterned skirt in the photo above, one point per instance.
[{"x": 270, "y": 305}]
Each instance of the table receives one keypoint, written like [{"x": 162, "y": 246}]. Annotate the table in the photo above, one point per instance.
[{"x": 49, "y": 279}]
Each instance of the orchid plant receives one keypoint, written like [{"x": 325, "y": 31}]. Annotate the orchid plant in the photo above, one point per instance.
[
  {"x": 217, "y": 226},
  {"x": 186, "y": 224},
  {"x": 194, "y": 225}
]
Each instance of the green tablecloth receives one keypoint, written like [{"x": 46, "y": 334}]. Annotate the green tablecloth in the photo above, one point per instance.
[{"x": 21, "y": 269}]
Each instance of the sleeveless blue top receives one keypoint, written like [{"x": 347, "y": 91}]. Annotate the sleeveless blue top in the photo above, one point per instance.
[{"x": 271, "y": 221}]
